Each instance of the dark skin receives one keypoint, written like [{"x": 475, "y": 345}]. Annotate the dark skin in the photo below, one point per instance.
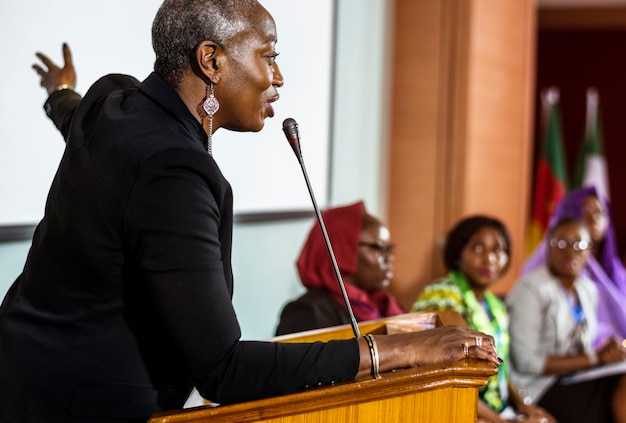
[
  {"x": 246, "y": 82},
  {"x": 375, "y": 267},
  {"x": 56, "y": 76},
  {"x": 595, "y": 219},
  {"x": 483, "y": 259}
]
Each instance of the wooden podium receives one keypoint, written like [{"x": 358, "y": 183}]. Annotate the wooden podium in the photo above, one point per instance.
[{"x": 429, "y": 394}]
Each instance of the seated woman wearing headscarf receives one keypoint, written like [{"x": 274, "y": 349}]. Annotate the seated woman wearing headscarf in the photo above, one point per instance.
[
  {"x": 364, "y": 256},
  {"x": 603, "y": 266}
]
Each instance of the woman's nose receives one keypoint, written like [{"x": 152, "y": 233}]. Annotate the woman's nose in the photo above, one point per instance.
[
  {"x": 387, "y": 258},
  {"x": 278, "y": 80}
]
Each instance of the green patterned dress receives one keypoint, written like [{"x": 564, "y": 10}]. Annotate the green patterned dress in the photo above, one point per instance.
[{"x": 453, "y": 293}]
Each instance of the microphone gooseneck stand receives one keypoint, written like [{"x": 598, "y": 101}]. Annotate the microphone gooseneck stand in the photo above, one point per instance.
[{"x": 290, "y": 128}]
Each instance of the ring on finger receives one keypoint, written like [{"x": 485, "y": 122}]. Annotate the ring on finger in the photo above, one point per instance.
[
  {"x": 479, "y": 341},
  {"x": 465, "y": 349}
]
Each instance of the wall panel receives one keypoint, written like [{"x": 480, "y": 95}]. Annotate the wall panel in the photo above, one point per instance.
[{"x": 461, "y": 127}]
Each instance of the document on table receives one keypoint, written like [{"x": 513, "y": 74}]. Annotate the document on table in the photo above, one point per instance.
[{"x": 595, "y": 373}]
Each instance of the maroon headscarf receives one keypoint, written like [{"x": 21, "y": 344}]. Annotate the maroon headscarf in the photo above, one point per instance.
[{"x": 343, "y": 225}]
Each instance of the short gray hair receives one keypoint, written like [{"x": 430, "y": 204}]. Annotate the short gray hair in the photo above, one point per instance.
[{"x": 180, "y": 25}]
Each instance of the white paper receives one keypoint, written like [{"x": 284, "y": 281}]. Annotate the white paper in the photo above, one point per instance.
[{"x": 595, "y": 373}]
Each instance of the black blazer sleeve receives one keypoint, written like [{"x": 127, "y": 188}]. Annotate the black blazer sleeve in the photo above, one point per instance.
[
  {"x": 60, "y": 108},
  {"x": 175, "y": 217}
]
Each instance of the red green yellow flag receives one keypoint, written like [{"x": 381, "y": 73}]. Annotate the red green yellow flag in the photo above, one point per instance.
[
  {"x": 551, "y": 174},
  {"x": 592, "y": 168}
]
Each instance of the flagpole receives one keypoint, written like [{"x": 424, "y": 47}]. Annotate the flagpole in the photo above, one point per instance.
[
  {"x": 592, "y": 110},
  {"x": 592, "y": 164}
]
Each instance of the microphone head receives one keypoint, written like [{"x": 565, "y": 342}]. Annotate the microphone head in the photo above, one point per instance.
[{"x": 290, "y": 128}]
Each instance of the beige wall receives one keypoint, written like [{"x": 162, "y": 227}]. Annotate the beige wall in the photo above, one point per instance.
[{"x": 460, "y": 127}]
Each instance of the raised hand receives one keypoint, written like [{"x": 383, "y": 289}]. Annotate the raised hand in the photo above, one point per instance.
[{"x": 55, "y": 77}]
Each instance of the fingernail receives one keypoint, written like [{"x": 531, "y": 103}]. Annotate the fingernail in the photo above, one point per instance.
[{"x": 500, "y": 360}]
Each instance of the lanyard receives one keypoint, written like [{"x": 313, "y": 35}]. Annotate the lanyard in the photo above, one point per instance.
[{"x": 576, "y": 309}]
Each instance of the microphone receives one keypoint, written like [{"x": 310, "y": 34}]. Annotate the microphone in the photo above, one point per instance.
[{"x": 290, "y": 128}]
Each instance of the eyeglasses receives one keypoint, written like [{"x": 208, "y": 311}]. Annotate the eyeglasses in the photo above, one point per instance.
[
  {"x": 562, "y": 244},
  {"x": 384, "y": 250}
]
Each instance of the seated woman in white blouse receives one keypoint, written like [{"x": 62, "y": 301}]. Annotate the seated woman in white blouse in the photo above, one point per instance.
[{"x": 552, "y": 326}]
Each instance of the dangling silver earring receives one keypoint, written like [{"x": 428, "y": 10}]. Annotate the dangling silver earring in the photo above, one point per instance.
[{"x": 210, "y": 106}]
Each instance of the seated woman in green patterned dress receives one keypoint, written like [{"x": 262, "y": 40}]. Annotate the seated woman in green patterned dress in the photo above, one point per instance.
[{"x": 476, "y": 255}]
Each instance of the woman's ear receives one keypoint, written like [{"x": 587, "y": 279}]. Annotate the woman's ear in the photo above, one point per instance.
[{"x": 209, "y": 60}]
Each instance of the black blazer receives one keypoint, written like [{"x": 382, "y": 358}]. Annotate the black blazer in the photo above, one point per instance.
[
  {"x": 124, "y": 303},
  {"x": 315, "y": 309}
]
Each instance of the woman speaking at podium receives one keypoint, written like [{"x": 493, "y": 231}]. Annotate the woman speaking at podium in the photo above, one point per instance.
[{"x": 124, "y": 303}]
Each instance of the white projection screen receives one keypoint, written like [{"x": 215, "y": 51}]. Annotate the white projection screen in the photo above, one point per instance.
[{"x": 114, "y": 37}]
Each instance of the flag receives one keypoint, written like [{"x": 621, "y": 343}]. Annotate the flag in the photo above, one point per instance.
[
  {"x": 551, "y": 173},
  {"x": 591, "y": 167}
]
